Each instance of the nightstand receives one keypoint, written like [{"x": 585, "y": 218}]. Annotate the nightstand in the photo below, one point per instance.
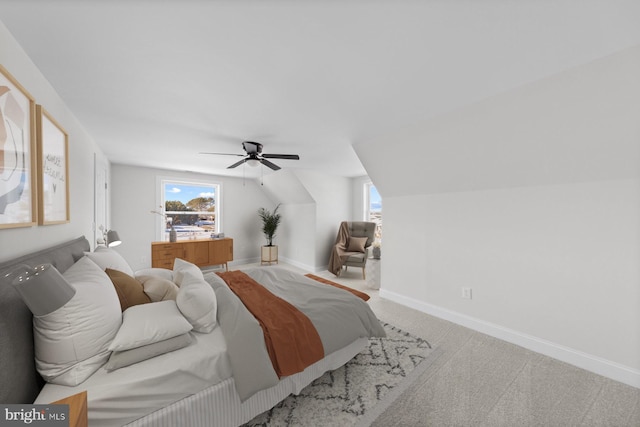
[{"x": 77, "y": 409}]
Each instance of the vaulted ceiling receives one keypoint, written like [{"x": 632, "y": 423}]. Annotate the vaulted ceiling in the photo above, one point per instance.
[{"x": 157, "y": 82}]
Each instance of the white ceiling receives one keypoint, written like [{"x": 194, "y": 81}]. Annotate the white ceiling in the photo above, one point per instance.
[{"x": 157, "y": 82}]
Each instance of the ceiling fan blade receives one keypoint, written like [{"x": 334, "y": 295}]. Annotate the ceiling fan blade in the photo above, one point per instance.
[
  {"x": 237, "y": 164},
  {"x": 281, "y": 156},
  {"x": 269, "y": 164},
  {"x": 223, "y": 154}
]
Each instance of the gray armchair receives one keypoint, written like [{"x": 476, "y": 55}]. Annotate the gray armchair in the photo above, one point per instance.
[{"x": 359, "y": 229}]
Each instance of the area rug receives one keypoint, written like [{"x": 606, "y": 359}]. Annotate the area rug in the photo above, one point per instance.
[{"x": 358, "y": 392}]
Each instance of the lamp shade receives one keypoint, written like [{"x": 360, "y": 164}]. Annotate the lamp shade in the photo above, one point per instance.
[
  {"x": 43, "y": 289},
  {"x": 113, "y": 239}
]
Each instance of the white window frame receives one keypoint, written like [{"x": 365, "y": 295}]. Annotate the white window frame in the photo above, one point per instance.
[
  {"x": 160, "y": 197},
  {"x": 366, "y": 200}
]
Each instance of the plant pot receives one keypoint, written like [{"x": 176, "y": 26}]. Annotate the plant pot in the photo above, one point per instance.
[
  {"x": 376, "y": 253},
  {"x": 269, "y": 254}
]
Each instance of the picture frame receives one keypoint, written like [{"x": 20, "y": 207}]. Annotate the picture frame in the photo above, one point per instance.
[
  {"x": 53, "y": 169},
  {"x": 18, "y": 182}
]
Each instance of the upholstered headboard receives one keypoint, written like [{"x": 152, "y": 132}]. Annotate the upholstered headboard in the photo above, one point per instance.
[{"x": 19, "y": 380}]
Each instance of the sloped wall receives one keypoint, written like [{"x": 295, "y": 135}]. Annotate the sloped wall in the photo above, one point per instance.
[
  {"x": 532, "y": 199},
  {"x": 577, "y": 126}
]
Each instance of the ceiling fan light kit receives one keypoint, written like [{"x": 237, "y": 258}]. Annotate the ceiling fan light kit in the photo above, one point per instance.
[{"x": 254, "y": 156}]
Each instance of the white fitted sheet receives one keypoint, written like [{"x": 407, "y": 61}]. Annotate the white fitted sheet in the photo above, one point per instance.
[
  {"x": 220, "y": 406},
  {"x": 121, "y": 396}
]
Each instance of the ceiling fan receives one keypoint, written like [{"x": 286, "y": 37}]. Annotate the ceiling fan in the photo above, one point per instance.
[{"x": 254, "y": 156}]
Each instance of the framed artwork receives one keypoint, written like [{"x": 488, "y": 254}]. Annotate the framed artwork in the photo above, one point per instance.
[
  {"x": 18, "y": 187},
  {"x": 53, "y": 169}
]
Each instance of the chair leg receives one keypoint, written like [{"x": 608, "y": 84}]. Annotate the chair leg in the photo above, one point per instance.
[{"x": 363, "y": 276}]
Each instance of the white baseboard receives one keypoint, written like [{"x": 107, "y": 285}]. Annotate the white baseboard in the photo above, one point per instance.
[
  {"x": 244, "y": 261},
  {"x": 299, "y": 264},
  {"x": 284, "y": 260},
  {"x": 600, "y": 366}
]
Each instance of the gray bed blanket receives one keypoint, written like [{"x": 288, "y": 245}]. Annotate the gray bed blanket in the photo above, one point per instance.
[{"x": 339, "y": 317}]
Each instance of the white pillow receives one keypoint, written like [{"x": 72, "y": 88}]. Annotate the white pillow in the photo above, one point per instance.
[
  {"x": 120, "y": 359},
  {"x": 73, "y": 342},
  {"x": 164, "y": 273},
  {"x": 149, "y": 323},
  {"x": 181, "y": 267},
  {"x": 197, "y": 302},
  {"x": 108, "y": 258}
]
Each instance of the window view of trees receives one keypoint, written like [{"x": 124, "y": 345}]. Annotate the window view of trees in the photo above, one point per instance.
[
  {"x": 191, "y": 208},
  {"x": 200, "y": 211}
]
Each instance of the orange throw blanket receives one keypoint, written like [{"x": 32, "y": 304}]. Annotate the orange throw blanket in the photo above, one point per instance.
[
  {"x": 338, "y": 285},
  {"x": 292, "y": 341}
]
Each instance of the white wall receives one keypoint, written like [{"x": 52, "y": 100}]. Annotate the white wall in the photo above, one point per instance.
[
  {"x": 558, "y": 263},
  {"x": 296, "y": 239},
  {"x": 295, "y": 236},
  {"x": 134, "y": 194},
  {"x": 313, "y": 206},
  {"x": 18, "y": 241},
  {"x": 532, "y": 199},
  {"x": 332, "y": 195}
]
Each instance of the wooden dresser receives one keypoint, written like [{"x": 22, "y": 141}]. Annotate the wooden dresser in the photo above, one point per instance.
[{"x": 203, "y": 252}]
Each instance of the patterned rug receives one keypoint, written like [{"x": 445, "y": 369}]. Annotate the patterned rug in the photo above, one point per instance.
[{"x": 359, "y": 391}]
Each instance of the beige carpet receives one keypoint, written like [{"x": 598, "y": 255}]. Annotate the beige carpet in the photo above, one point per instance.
[{"x": 478, "y": 380}]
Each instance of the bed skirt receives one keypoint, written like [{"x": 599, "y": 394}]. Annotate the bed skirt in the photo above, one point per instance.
[{"x": 219, "y": 405}]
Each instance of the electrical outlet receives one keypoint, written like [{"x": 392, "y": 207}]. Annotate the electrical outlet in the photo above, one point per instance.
[
  {"x": 143, "y": 260},
  {"x": 466, "y": 293}
]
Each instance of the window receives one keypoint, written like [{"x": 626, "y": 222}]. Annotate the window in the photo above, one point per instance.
[
  {"x": 193, "y": 208},
  {"x": 373, "y": 208}
]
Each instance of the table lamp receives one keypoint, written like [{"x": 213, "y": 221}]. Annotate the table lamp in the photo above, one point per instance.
[
  {"x": 42, "y": 288},
  {"x": 112, "y": 239}
]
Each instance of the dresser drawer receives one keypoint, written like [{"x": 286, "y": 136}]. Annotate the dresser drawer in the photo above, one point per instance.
[
  {"x": 168, "y": 252},
  {"x": 163, "y": 263},
  {"x": 201, "y": 252}
]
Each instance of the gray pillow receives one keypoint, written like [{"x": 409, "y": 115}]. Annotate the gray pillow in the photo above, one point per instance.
[
  {"x": 120, "y": 359},
  {"x": 357, "y": 244}
]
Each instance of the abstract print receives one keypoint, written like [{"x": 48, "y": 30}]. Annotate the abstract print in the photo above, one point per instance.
[{"x": 14, "y": 149}]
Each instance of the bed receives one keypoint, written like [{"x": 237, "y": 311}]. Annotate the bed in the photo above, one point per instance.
[{"x": 220, "y": 378}]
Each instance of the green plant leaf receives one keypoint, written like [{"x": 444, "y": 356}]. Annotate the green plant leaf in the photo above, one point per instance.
[{"x": 270, "y": 222}]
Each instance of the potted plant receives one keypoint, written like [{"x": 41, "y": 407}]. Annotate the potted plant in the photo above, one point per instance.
[{"x": 270, "y": 222}]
